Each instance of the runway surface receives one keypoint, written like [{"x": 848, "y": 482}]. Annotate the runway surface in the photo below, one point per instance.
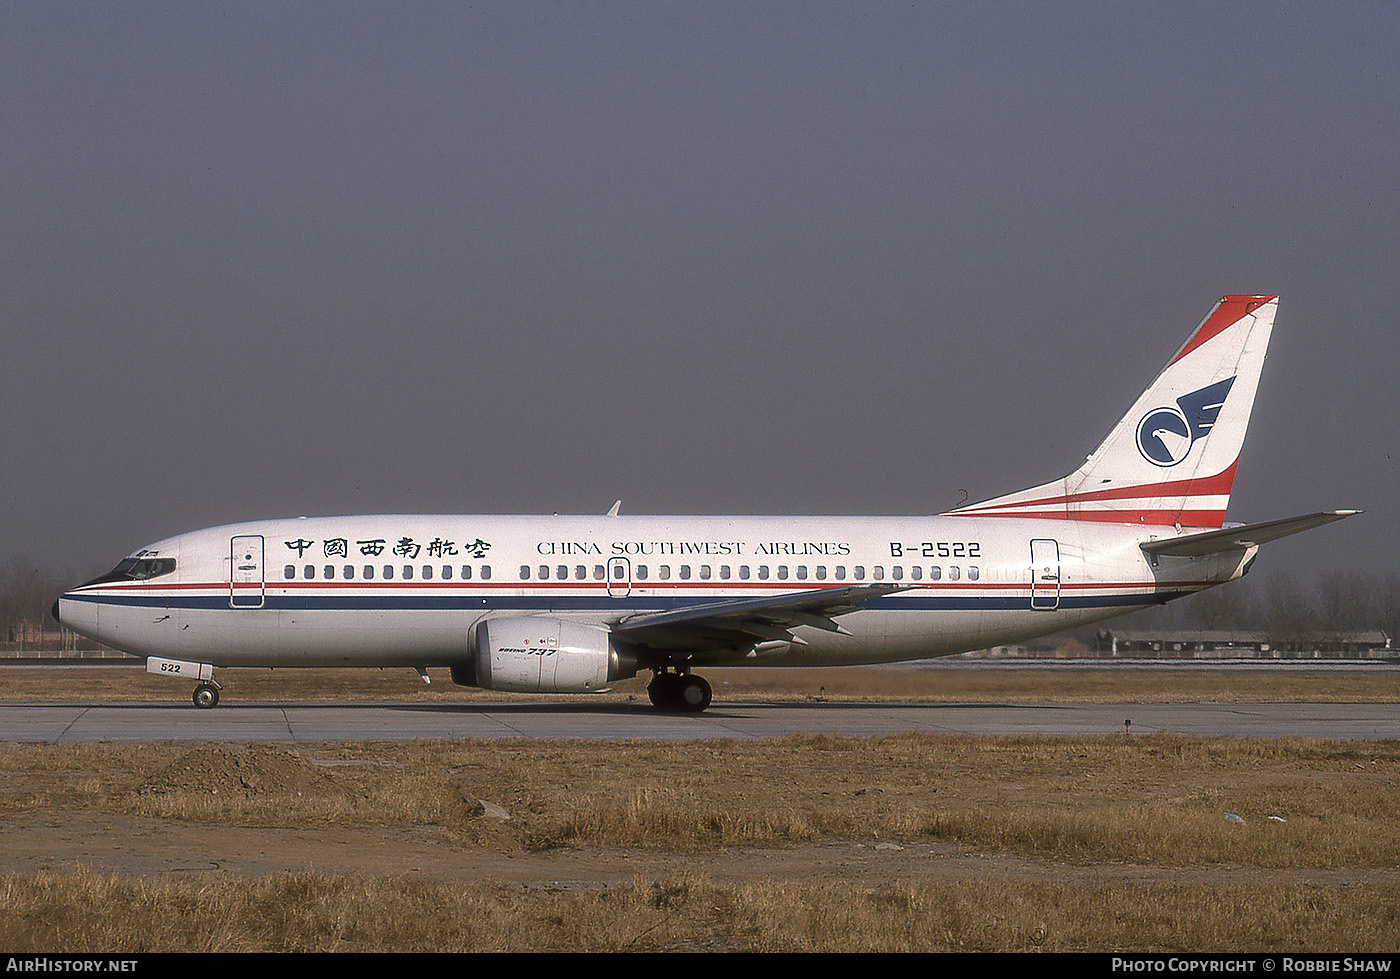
[{"x": 294, "y": 723}]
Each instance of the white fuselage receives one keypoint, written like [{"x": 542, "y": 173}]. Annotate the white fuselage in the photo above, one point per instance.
[
  {"x": 407, "y": 590},
  {"x": 561, "y": 604}
]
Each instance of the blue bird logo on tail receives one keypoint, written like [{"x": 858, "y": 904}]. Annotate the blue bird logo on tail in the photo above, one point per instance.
[{"x": 1165, "y": 435}]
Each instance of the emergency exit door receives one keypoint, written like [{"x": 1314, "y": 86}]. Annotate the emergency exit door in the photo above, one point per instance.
[
  {"x": 245, "y": 572},
  {"x": 1045, "y": 575}
]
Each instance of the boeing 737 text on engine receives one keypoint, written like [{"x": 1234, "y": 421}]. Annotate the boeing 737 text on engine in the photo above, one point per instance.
[{"x": 569, "y": 604}]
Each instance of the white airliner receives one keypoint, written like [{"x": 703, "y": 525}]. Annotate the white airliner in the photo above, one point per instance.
[{"x": 557, "y": 604}]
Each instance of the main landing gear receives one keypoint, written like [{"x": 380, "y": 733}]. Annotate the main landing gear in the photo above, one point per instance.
[{"x": 683, "y": 692}]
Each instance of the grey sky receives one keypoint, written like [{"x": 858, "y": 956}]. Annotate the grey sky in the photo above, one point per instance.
[{"x": 279, "y": 259}]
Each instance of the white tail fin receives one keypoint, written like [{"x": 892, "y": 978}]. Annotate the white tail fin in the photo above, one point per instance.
[{"x": 1172, "y": 458}]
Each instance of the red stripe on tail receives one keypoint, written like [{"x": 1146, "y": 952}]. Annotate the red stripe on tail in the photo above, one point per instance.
[{"x": 1229, "y": 311}]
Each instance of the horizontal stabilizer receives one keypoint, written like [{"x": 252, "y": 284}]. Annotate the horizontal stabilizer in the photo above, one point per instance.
[{"x": 1239, "y": 538}]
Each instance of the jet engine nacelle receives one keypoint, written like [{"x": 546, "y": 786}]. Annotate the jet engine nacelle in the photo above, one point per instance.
[{"x": 537, "y": 654}]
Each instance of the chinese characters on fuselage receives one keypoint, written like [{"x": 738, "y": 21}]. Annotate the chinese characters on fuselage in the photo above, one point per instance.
[{"x": 403, "y": 547}]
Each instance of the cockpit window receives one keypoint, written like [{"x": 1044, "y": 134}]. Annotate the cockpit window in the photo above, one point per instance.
[
  {"x": 151, "y": 567},
  {"x": 137, "y": 569}
]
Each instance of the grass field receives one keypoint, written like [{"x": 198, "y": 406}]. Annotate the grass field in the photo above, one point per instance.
[
  {"x": 914, "y": 842},
  {"x": 949, "y": 682}
]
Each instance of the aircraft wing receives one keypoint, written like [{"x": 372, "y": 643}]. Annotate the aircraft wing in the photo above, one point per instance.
[
  {"x": 741, "y": 623},
  {"x": 1239, "y": 538}
]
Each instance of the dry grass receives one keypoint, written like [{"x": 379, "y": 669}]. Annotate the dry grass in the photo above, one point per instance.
[
  {"x": 1157, "y": 800},
  {"x": 82, "y": 910},
  {"x": 949, "y": 681},
  {"x": 1108, "y": 843}
]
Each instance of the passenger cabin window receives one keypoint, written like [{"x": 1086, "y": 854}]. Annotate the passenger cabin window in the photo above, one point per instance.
[
  {"x": 388, "y": 571},
  {"x": 289, "y": 572},
  {"x": 328, "y": 571},
  {"x": 309, "y": 571},
  {"x": 349, "y": 570}
]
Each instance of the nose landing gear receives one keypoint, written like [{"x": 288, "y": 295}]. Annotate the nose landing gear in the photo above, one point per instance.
[{"x": 206, "y": 695}]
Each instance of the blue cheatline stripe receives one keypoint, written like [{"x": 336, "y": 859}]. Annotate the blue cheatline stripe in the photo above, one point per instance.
[{"x": 563, "y": 603}]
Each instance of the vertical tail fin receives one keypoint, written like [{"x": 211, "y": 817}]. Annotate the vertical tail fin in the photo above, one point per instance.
[{"x": 1171, "y": 459}]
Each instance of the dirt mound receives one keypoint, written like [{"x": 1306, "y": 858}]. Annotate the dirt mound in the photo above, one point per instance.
[{"x": 249, "y": 770}]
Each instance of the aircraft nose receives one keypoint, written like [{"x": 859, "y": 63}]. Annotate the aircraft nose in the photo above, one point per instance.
[
  {"x": 79, "y": 616},
  {"x": 62, "y": 610}
]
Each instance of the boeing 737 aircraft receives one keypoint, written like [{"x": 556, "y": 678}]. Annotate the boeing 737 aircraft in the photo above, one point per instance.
[{"x": 560, "y": 604}]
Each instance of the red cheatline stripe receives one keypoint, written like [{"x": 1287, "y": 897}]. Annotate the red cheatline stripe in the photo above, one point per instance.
[
  {"x": 1217, "y": 485},
  {"x": 1229, "y": 311},
  {"x": 1157, "y": 518}
]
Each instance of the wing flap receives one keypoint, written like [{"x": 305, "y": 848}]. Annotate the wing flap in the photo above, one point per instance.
[{"x": 751, "y": 619}]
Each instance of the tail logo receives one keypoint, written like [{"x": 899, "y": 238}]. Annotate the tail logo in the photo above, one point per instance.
[{"x": 1165, "y": 435}]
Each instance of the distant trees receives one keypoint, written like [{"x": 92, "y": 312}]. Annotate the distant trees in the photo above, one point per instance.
[
  {"x": 27, "y": 592},
  {"x": 1284, "y": 607}
]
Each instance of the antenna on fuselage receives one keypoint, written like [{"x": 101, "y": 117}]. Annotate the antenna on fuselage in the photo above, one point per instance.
[{"x": 615, "y": 507}]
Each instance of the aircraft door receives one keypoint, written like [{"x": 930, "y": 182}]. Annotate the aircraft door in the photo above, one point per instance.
[
  {"x": 245, "y": 572},
  {"x": 619, "y": 577},
  {"x": 1045, "y": 575}
]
